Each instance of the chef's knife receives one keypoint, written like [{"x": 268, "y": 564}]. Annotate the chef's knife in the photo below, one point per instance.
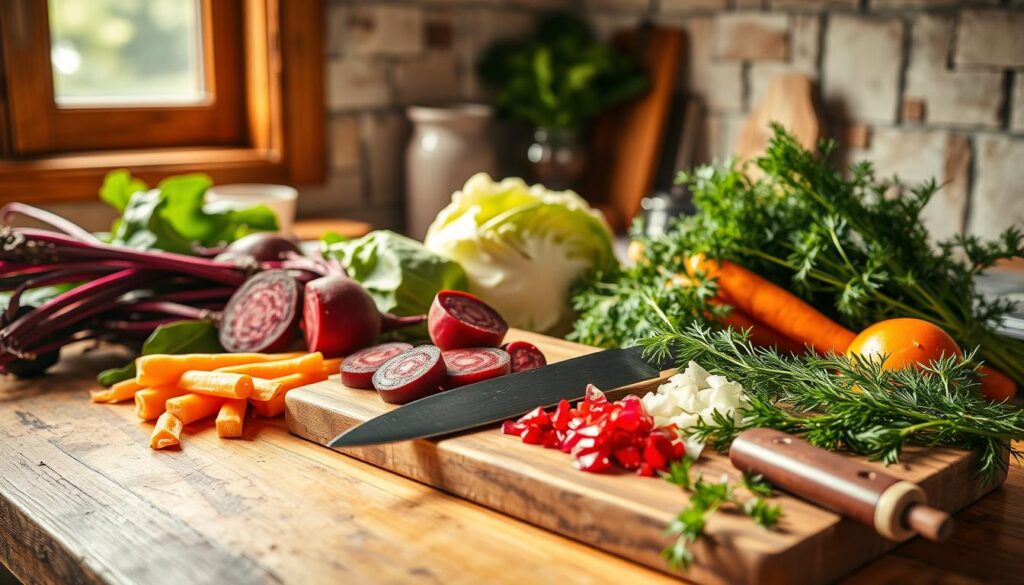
[{"x": 503, "y": 398}]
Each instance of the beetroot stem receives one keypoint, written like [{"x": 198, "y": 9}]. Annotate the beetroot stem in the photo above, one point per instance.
[{"x": 68, "y": 227}]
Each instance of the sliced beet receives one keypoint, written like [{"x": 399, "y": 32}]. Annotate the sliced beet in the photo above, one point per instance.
[
  {"x": 466, "y": 366},
  {"x": 357, "y": 370},
  {"x": 525, "y": 356},
  {"x": 414, "y": 374},
  {"x": 262, "y": 315},
  {"x": 458, "y": 320}
]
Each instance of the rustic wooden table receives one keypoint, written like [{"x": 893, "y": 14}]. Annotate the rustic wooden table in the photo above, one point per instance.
[{"x": 84, "y": 500}]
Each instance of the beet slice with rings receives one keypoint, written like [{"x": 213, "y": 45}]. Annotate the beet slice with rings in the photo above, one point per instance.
[
  {"x": 466, "y": 366},
  {"x": 262, "y": 315},
  {"x": 459, "y": 320},
  {"x": 411, "y": 375},
  {"x": 525, "y": 356},
  {"x": 358, "y": 369}
]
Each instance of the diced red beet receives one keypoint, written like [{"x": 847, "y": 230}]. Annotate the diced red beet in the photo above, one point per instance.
[
  {"x": 262, "y": 315},
  {"x": 466, "y": 366},
  {"x": 525, "y": 356},
  {"x": 357, "y": 370},
  {"x": 411, "y": 375},
  {"x": 458, "y": 320}
]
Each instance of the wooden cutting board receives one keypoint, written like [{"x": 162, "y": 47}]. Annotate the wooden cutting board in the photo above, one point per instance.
[{"x": 622, "y": 513}]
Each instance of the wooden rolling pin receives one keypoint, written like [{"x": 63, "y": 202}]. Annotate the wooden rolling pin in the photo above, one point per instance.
[{"x": 897, "y": 509}]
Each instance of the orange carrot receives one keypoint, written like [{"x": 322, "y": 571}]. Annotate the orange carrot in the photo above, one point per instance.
[
  {"x": 995, "y": 385},
  {"x": 151, "y": 402},
  {"x": 230, "y": 417},
  {"x": 166, "y": 433},
  {"x": 221, "y": 384},
  {"x": 156, "y": 369},
  {"x": 333, "y": 366},
  {"x": 263, "y": 390},
  {"x": 761, "y": 334},
  {"x": 775, "y": 306},
  {"x": 275, "y": 405},
  {"x": 192, "y": 407},
  {"x": 310, "y": 362},
  {"x": 119, "y": 392}
]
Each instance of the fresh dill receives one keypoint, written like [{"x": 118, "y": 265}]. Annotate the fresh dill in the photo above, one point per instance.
[
  {"x": 706, "y": 497},
  {"x": 850, "y": 404}
]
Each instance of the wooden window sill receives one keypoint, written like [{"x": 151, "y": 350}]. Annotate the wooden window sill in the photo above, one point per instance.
[{"x": 66, "y": 177}]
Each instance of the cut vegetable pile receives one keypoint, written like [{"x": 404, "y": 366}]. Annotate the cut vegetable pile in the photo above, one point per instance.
[
  {"x": 179, "y": 390},
  {"x": 600, "y": 434},
  {"x": 466, "y": 333}
]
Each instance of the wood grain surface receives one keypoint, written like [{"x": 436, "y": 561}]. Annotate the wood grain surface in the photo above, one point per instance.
[
  {"x": 623, "y": 513},
  {"x": 83, "y": 500}
]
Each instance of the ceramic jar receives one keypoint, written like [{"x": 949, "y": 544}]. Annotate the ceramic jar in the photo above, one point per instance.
[{"x": 448, "y": 145}]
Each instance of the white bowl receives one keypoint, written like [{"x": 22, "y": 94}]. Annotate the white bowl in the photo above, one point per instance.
[{"x": 281, "y": 199}]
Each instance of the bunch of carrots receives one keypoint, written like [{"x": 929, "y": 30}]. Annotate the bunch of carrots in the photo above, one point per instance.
[
  {"x": 177, "y": 390},
  {"x": 777, "y": 317}
]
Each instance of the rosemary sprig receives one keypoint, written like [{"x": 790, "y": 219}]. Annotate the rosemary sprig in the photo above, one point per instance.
[
  {"x": 849, "y": 404},
  {"x": 706, "y": 497}
]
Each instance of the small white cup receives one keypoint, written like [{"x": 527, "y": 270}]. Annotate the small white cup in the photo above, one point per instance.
[{"x": 281, "y": 199}]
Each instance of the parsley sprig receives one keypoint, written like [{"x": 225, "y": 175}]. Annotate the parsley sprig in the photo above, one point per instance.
[{"x": 706, "y": 497}]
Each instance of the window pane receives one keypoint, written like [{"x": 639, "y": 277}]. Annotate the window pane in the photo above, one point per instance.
[{"x": 124, "y": 52}]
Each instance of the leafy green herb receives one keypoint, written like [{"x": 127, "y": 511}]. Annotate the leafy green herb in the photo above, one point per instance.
[
  {"x": 849, "y": 247},
  {"x": 173, "y": 216},
  {"x": 850, "y": 404},
  {"x": 175, "y": 338},
  {"x": 706, "y": 498},
  {"x": 845, "y": 245},
  {"x": 619, "y": 308},
  {"x": 561, "y": 76}
]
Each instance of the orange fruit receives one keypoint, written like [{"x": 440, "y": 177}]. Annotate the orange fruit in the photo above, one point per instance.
[{"x": 906, "y": 342}]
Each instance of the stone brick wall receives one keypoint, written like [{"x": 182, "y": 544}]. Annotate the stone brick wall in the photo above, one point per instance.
[{"x": 924, "y": 88}]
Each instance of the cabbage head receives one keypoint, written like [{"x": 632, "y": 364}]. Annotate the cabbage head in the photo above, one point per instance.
[{"x": 522, "y": 247}]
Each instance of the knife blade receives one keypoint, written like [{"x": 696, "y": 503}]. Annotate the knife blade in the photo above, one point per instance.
[{"x": 503, "y": 398}]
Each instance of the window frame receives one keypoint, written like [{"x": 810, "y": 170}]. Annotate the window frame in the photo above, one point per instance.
[{"x": 279, "y": 114}]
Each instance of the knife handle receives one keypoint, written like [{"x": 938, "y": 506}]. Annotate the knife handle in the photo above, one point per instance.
[{"x": 896, "y": 509}]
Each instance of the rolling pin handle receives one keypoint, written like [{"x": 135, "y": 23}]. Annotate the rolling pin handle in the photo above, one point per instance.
[{"x": 930, "y": 523}]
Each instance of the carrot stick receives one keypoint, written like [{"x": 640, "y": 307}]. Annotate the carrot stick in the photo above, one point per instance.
[
  {"x": 230, "y": 417},
  {"x": 221, "y": 384},
  {"x": 775, "y": 306},
  {"x": 157, "y": 369},
  {"x": 192, "y": 407},
  {"x": 151, "y": 402},
  {"x": 310, "y": 362},
  {"x": 263, "y": 390},
  {"x": 333, "y": 366},
  {"x": 995, "y": 385},
  {"x": 166, "y": 433},
  {"x": 119, "y": 392},
  {"x": 761, "y": 334},
  {"x": 275, "y": 405}
]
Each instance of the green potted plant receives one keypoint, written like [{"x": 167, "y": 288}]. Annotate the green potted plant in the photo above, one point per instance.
[{"x": 557, "y": 80}]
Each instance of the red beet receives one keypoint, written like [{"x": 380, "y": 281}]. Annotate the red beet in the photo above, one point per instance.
[
  {"x": 262, "y": 247},
  {"x": 525, "y": 356},
  {"x": 458, "y": 319},
  {"x": 411, "y": 375},
  {"x": 262, "y": 315},
  {"x": 340, "y": 317},
  {"x": 357, "y": 370},
  {"x": 466, "y": 366}
]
